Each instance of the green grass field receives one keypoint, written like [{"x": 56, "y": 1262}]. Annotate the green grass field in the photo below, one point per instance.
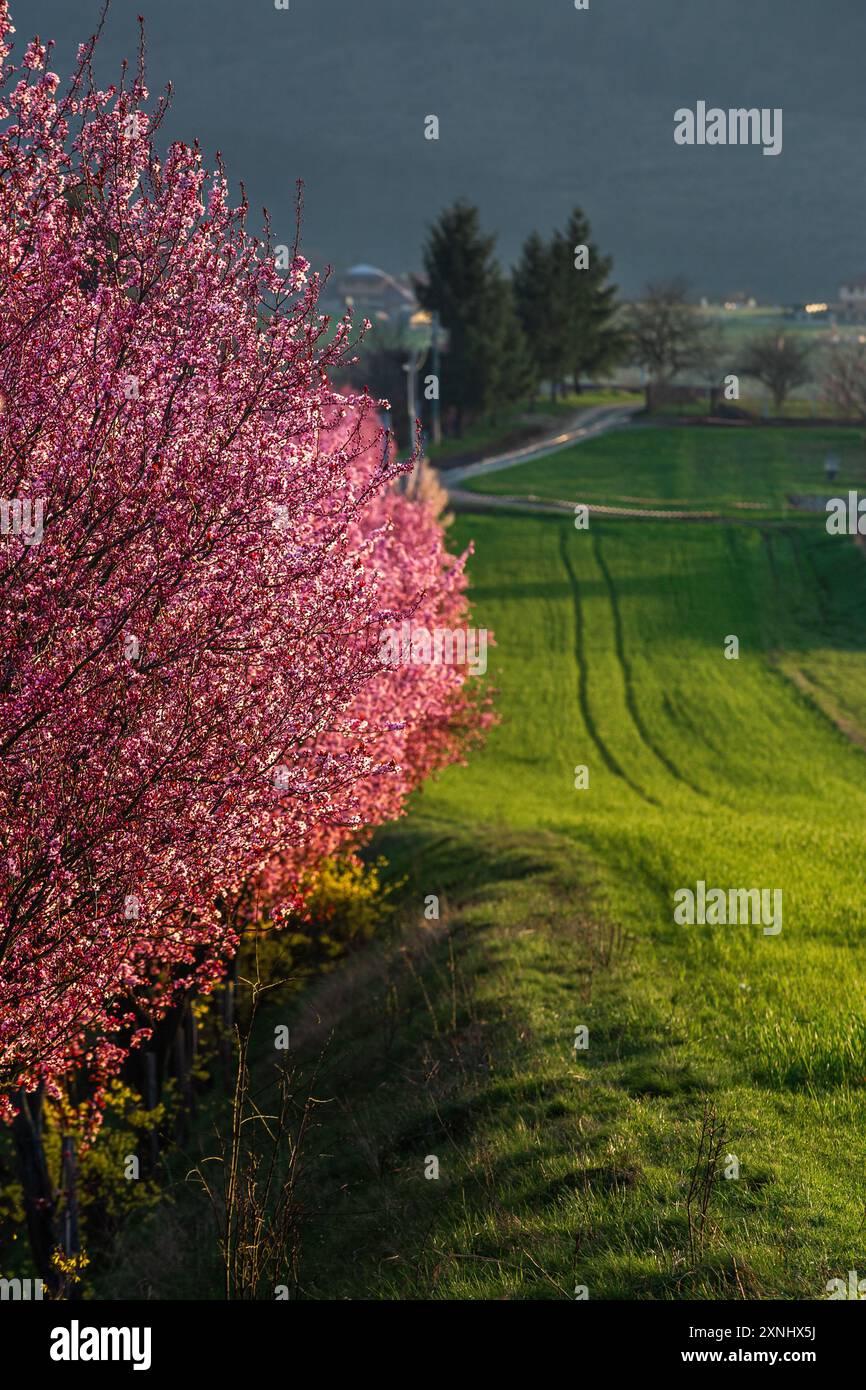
[
  {"x": 561, "y": 1167},
  {"x": 522, "y": 422},
  {"x": 564, "y": 1169},
  {"x": 728, "y": 468}
]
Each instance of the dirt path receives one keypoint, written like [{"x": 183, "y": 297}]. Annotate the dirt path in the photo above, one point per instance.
[
  {"x": 587, "y": 424},
  {"x": 462, "y": 500}
]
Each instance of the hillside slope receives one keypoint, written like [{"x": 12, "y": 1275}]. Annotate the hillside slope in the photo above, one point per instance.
[
  {"x": 558, "y": 1167},
  {"x": 453, "y": 1039}
]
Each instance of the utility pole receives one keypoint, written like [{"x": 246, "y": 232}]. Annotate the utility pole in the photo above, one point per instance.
[
  {"x": 435, "y": 418},
  {"x": 410, "y": 367}
]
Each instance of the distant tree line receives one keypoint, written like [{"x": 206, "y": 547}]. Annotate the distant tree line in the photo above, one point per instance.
[{"x": 553, "y": 322}]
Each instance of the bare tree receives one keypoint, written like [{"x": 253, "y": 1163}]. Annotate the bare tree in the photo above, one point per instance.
[
  {"x": 779, "y": 362},
  {"x": 844, "y": 381},
  {"x": 668, "y": 333}
]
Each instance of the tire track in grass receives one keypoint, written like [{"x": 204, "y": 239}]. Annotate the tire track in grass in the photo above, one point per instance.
[
  {"x": 704, "y": 736},
  {"x": 607, "y": 757},
  {"x": 768, "y": 543},
  {"x": 628, "y": 683},
  {"x": 808, "y": 570},
  {"x": 754, "y": 613},
  {"x": 773, "y": 618},
  {"x": 794, "y": 665},
  {"x": 784, "y": 658}
]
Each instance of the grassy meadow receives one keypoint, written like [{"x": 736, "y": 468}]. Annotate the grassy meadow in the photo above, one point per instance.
[
  {"x": 732, "y": 469},
  {"x": 566, "y": 1169}
]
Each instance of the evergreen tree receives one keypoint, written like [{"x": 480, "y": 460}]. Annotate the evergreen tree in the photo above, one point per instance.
[
  {"x": 515, "y": 375},
  {"x": 566, "y": 304},
  {"x": 463, "y": 283},
  {"x": 593, "y": 342},
  {"x": 531, "y": 282}
]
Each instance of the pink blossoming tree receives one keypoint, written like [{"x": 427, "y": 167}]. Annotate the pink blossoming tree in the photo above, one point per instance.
[{"x": 194, "y": 696}]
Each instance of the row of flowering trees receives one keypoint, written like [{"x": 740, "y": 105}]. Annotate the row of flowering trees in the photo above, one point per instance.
[{"x": 193, "y": 697}]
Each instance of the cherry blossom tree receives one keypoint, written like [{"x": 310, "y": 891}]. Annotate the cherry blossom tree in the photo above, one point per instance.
[{"x": 202, "y": 545}]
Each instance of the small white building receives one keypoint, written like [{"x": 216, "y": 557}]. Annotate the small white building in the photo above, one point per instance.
[{"x": 852, "y": 295}]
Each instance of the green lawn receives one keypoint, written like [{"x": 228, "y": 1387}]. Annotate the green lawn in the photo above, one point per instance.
[
  {"x": 527, "y": 419},
  {"x": 453, "y": 1039},
  {"x": 563, "y": 1168},
  {"x": 729, "y": 468}
]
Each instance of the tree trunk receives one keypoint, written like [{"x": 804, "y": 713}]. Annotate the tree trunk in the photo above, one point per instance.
[
  {"x": 228, "y": 1024},
  {"x": 69, "y": 1241},
  {"x": 40, "y": 1198},
  {"x": 150, "y": 1094}
]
